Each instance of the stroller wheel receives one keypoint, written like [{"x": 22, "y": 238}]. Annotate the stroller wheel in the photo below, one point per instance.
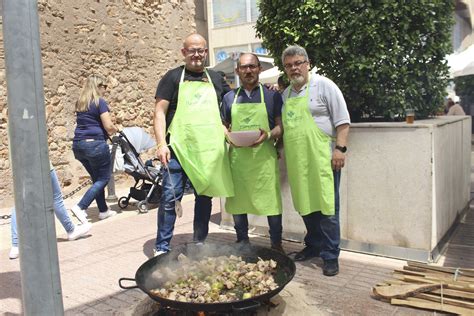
[
  {"x": 123, "y": 202},
  {"x": 142, "y": 207}
]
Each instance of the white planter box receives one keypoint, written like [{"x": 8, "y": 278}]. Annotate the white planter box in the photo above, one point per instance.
[{"x": 403, "y": 187}]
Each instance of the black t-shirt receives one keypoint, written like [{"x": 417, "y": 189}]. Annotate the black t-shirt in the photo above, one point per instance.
[{"x": 169, "y": 86}]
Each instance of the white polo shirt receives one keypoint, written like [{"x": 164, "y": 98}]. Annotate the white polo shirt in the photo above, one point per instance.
[{"x": 326, "y": 103}]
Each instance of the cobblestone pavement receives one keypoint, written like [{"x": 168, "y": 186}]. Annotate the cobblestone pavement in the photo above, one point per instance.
[{"x": 116, "y": 247}]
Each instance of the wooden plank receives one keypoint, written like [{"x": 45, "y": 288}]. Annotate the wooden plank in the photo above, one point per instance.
[
  {"x": 420, "y": 303},
  {"x": 460, "y": 277},
  {"x": 408, "y": 279},
  {"x": 446, "y": 279},
  {"x": 403, "y": 290},
  {"x": 466, "y": 272},
  {"x": 455, "y": 293},
  {"x": 451, "y": 285},
  {"x": 393, "y": 281},
  {"x": 451, "y": 273},
  {"x": 446, "y": 300}
]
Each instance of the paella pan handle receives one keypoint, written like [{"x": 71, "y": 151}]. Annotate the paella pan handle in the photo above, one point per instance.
[
  {"x": 127, "y": 287},
  {"x": 254, "y": 305}
]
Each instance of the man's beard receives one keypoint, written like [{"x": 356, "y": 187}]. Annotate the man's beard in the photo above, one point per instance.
[
  {"x": 298, "y": 80},
  {"x": 250, "y": 80},
  {"x": 197, "y": 62}
]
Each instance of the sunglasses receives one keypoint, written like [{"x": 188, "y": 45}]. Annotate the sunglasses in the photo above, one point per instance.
[{"x": 103, "y": 86}]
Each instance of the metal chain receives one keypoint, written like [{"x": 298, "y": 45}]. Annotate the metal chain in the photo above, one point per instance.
[{"x": 79, "y": 188}]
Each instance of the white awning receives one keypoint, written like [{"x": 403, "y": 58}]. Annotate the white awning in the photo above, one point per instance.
[
  {"x": 270, "y": 76},
  {"x": 461, "y": 64}
]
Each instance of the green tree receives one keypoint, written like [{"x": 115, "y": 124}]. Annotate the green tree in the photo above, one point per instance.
[
  {"x": 464, "y": 86},
  {"x": 385, "y": 55}
]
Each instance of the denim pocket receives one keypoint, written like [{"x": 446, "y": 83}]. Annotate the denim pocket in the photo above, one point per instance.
[{"x": 98, "y": 148}]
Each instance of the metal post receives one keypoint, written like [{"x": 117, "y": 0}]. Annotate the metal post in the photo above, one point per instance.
[
  {"x": 111, "y": 197},
  {"x": 40, "y": 278},
  {"x": 236, "y": 75}
]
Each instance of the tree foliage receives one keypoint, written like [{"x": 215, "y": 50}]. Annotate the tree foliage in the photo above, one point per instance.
[
  {"x": 384, "y": 55},
  {"x": 464, "y": 86}
]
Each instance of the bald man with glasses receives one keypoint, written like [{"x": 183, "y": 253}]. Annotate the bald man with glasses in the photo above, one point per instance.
[{"x": 191, "y": 141}]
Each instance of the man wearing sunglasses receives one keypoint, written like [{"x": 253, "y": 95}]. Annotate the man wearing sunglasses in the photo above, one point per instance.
[
  {"x": 191, "y": 140},
  {"x": 254, "y": 169},
  {"x": 316, "y": 126}
]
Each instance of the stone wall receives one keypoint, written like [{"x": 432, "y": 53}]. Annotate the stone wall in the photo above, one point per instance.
[{"x": 131, "y": 42}]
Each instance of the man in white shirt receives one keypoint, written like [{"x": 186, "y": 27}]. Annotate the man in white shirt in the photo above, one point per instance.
[
  {"x": 454, "y": 108},
  {"x": 316, "y": 126}
]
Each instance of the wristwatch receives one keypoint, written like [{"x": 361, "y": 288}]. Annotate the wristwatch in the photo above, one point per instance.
[{"x": 342, "y": 149}]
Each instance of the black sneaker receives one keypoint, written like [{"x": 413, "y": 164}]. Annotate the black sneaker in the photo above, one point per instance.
[
  {"x": 306, "y": 253},
  {"x": 331, "y": 267},
  {"x": 243, "y": 244},
  {"x": 278, "y": 247},
  {"x": 243, "y": 241}
]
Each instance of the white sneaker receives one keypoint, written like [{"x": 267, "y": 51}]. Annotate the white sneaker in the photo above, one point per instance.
[
  {"x": 80, "y": 214},
  {"x": 79, "y": 231},
  {"x": 157, "y": 253},
  {"x": 14, "y": 252},
  {"x": 109, "y": 213}
]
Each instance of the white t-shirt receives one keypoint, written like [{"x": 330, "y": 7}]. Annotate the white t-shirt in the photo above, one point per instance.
[{"x": 326, "y": 103}]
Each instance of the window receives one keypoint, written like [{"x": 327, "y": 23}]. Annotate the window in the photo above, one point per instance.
[
  {"x": 229, "y": 12},
  {"x": 234, "y": 12},
  {"x": 254, "y": 11},
  {"x": 222, "y": 53},
  {"x": 259, "y": 49}
]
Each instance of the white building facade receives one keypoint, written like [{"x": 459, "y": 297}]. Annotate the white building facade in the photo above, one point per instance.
[{"x": 231, "y": 29}]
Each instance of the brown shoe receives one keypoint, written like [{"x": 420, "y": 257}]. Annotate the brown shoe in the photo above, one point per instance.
[{"x": 278, "y": 247}]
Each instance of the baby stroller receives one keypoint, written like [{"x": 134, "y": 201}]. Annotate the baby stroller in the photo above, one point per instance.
[{"x": 126, "y": 149}]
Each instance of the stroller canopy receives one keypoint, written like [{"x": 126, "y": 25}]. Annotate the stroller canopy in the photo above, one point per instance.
[{"x": 139, "y": 138}]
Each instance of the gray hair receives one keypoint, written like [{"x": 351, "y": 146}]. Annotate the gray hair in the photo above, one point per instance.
[{"x": 294, "y": 50}]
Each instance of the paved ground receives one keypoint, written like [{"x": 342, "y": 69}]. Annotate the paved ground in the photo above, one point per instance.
[{"x": 90, "y": 268}]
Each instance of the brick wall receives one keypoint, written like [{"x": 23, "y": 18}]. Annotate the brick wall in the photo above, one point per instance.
[{"x": 131, "y": 42}]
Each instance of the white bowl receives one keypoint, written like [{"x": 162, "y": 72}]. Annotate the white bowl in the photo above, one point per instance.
[{"x": 244, "y": 138}]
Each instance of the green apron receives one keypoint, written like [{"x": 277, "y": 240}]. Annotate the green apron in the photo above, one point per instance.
[
  {"x": 198, "y": 140},
  {"x": 254, "y": 169},
  {"x": 308, "y": 158}
]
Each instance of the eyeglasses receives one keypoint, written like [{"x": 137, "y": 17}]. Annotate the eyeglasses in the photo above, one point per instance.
[
  {"x": 296, "y": 64},
  {"x": 199, "y": 51},
  {"x": 102, "y": 86},
  {"x": 249, "y": 66}
]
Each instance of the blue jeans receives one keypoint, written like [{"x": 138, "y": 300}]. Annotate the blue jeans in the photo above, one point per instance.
[
  {"x": 323, "y": 232},
  {"x": 274, "y": 223},
  {"x": 58, "y": 206},
  {"x": 167, "y": 214},
  {"x": 95, "y": 157}
]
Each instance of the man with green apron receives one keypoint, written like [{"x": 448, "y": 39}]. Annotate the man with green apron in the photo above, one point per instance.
[
  {"x": 316, "y": 125},
  {"x": 254, "y": 169},
  {"x": 191, "y": 141}
]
